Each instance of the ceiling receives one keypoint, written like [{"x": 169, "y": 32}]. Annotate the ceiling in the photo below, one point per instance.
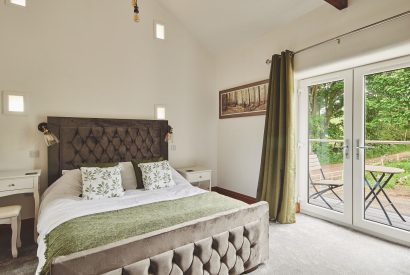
[{"x": 221, "y": 24}]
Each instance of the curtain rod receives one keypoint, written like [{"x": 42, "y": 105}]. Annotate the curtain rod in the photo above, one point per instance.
[{"x": 337, "y": 38}]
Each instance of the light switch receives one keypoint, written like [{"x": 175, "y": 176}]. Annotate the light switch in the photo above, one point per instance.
[{"x": 34, "y": 154}]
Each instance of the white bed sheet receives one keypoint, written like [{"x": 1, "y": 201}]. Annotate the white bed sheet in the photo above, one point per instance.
[{"x": 61, "y": 203}]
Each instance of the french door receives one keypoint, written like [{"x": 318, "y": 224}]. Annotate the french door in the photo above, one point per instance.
[
  {"x": 325, "y": 138},
  {"x": 354, "y": 148},
  {"x": 381, "y": 162}
]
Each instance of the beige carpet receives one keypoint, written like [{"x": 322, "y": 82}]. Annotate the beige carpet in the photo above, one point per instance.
[{"x": 311, "y": 246}]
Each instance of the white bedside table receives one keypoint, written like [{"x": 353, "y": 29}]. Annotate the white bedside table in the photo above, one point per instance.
[
  {"x": 197, "y": 174},
  {"x": 19, "y": 182}
]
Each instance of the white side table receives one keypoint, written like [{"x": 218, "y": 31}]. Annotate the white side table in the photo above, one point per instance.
[
  {"x": 20, "y": 182},
  {"x": 197, "y": 174}
]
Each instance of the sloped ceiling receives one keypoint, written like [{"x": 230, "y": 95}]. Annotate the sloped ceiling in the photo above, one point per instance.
[{"x": 221, "y": 24}]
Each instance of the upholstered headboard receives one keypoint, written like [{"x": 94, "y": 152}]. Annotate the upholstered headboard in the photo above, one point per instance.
[{"x": 97, "y": 140}]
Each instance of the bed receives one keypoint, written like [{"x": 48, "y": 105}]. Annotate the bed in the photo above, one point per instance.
[{"x": 176, "y": 230}]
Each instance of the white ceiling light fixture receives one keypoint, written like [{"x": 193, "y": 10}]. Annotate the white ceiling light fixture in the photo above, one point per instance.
[
  {"x": 21, "y": 3},
  {"x": 159, "y": 30}
]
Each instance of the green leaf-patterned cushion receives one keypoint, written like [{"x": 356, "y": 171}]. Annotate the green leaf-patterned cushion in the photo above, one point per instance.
[
  {"x": 138, "y": 173},
  {"x": 156, "y": 175},
  {"x": 101, "y": 183}
]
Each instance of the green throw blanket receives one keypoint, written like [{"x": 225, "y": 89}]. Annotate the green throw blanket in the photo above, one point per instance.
[{"x": 99, "y": 229}]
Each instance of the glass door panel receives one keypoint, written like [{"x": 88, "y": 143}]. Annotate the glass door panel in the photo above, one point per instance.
[
  {"x": 387, "y": 160},
  {"x": 324, "y": 143},
  {"x": 382, "y": 149}
]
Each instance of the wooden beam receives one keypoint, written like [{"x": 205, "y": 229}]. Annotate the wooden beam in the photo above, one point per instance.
[{"x": 338, "y": 4}]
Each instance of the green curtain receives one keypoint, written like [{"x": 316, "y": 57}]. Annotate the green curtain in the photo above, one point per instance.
[{"x": 277, "y": 173}]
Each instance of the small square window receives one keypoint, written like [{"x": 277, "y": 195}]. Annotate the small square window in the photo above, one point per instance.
[
  {"x": 159, "y": 31},
  {"x": 21, "y": 3},
  {"x": 14, "y": 103},
  {"x": 160, "y": 112}
]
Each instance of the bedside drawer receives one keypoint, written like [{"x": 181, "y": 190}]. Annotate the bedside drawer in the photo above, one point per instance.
[
  {"x": 198, "y": 176},
  {"x": 16, "y": 184}
]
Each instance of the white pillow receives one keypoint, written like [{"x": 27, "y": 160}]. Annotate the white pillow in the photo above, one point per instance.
[
  {"x": 63, "y": 172},
  {"x": 129, "y": 180},
  {"x": 68, "y": 185},
  {"x": 101, "y": 183},
  {"x": 156, "y": 175}
]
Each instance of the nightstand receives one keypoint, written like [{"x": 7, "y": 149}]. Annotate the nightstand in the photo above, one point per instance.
[
  {"x": 20, "y": 182},
  {"x": 197, "y": 174}
]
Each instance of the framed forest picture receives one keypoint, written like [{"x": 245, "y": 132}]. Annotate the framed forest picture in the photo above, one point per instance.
[{"x": 246, "y": 100}]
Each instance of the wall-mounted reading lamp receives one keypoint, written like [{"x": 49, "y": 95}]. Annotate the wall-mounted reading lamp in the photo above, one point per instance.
[
  {"x": 49, "y": 138},
  {"x": 170, "y": 132}
]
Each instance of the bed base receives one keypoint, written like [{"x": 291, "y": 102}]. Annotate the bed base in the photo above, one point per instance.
[{"x": 231, "y": 242}]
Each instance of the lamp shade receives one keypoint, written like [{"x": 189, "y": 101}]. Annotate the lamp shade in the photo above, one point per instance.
[{"x": 49, "y": 138}]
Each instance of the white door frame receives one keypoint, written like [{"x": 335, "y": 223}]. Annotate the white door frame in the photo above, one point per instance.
[
  {"x": 374, "y": 228},
  {"x": 303, "y": 148}
]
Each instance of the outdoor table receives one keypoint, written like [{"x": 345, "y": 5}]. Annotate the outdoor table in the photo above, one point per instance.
[{"x": 386, "y": 174}]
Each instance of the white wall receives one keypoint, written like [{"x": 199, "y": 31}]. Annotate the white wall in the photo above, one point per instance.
[
  {"x": 240, "y": 139},
  {"x": 89, "y": 59}
]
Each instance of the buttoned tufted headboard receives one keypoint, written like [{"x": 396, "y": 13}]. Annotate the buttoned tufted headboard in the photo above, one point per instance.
[{"x": 98, "y": 140}]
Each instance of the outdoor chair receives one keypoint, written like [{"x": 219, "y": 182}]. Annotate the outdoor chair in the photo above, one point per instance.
[{"x": 327, "y": 185}]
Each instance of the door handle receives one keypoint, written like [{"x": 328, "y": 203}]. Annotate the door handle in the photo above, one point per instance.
[
  {"x": 359, "y": 147},
  {"x": 346, "y": 148}
]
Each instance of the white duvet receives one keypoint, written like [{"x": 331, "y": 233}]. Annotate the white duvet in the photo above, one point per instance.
[{"x": 61, "y": 203}]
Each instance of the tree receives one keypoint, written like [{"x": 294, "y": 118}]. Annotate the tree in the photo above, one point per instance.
[
  {"x": 326, "y": 110},
  {"x": 388, "y": 105}
]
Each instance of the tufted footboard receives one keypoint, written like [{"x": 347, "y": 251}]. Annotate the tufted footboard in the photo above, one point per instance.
[{"x": 231, "y": 242}]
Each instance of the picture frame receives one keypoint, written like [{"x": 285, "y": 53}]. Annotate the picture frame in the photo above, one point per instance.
[{"x": 245, "y": 100}]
